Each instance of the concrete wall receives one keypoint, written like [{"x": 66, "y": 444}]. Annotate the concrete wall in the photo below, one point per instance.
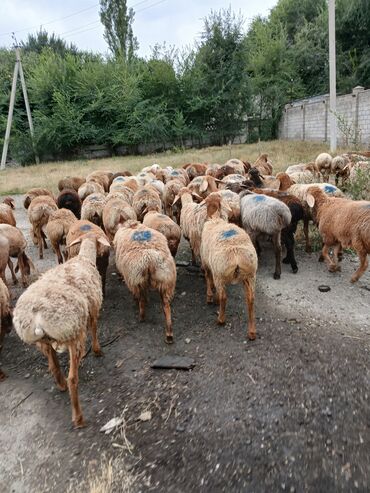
[{"x": 308, "y": 119}]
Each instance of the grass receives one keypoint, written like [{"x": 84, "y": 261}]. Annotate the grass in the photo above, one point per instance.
[{"x": 46, "y": 175}]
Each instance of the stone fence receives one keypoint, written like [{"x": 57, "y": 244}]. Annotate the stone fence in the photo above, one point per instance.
[{"x": 308, "y": 119}]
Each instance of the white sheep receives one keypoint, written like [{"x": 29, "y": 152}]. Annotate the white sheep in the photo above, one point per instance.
[
  {"x": 323, "y": 164},
  {"x": 56, "y": 311}
]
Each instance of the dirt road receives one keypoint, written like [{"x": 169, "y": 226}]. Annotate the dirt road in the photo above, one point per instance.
[{"x": 287, "y": 412}]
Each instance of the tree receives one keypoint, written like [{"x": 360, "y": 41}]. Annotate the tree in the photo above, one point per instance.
[
  {"x": 42, "y": 39},
  {"x": 117, "y": 21}
]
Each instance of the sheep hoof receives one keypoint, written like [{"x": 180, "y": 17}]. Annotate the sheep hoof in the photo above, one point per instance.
[
  {"x": 251, "y": 336},
  {"x": 276, "y": 275},
  {"x": 332, "y": 268},
  {"x": 295, "y": 270},
  {"x": 210, "y": 301},
  {"x": 79, "y": 423},
  {"x": 62, "y": 386},
  {"x": 286, "y": 260},
  {"x": 220, "y": 322},
  {"x": 321, "y": 258},
  {"x": 3, "y": 376},
  {"x": 99, "y": 353},
  {"x": 354, "y": 279},
  {"x": 169, "y": 340}
]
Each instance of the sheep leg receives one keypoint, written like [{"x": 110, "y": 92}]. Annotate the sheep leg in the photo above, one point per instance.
[
  {"x": 56, "y": 248},
  {"x": 94, "y": 334},
  {"x": 167, "y": 313},
  {"x": 74, "y": 361},
  {"x": 193, "y": 259},
  {"x": 43, "y": 236},
  {"x": 306, "y": 220},
  {"x": 332, "y": 266},
  {"x": 249, "y": 285},
  {"x": 336, "y": 252},
  {"x": 102, "y": 266},
  {"x": 142, "y": 300},
  {"x": 276, "y": 240},
  {"x": 40, "y": 242},
  {"x": 362, "y": 255},
  {"x": 2, "y": 375},
  {"x": 222, "y": 298},
  {"x": 11, "y": 267},
  {"x": 53, "y": 362},
  {"x": 210, "y": 285},
  {"x": 288, "y": 240}
]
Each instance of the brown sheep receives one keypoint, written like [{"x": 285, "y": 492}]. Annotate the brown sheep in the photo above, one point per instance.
[
  {"x": 39, "y": 212},
  {"x": 35, "y": 192},
  {"x": 71, "y": 182}
]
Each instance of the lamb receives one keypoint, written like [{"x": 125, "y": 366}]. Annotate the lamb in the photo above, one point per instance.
[
  {"x": 39, "y": 212},
  {"x": 192, "y": 219},
  {"x": 116, "y": 211},
  {"x": 6, "y": 212},
  {"x": 57, "y": 229},
  {"x": 35, "y": 192},
  {"x": 88, "y": 188},
  {"x": 262, "y": 215},
  {"x": 70, "y": 183},
  {"x": 56, "y": 311},
  {"x": 78, "y": 231},
  {"x": 263, "y": 164},
  {"x": 145, "y": 199},
  {"x": 145, "y": 262},
  {"x": 92, "y": 208},
  {"x": 228, "y": 257},
  {"x": 69, "y": 199},
  {"x": 15, "y": 248},
  {"x": 102, "y": 177},
  {"x": 165, "y": 225},
  {"x": 323, "y": 164},
  {"x": 5, "y": 317},
  {"x": 343, "y": 223}
]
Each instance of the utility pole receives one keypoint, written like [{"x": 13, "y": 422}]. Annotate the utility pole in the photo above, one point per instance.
[
  {"x": 332, "y": 77},
  {"x": 17, "y": 69}
]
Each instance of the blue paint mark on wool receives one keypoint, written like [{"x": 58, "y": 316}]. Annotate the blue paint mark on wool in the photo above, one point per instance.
[
  {"x": 329, "y": 189},
  {"x": 85, "y": 227},
  {"x": 142, "y": 236},
  {"x": 228, "y": 234},
  {"x": 119, "y": 178},
  {"x": 259, "y": 198}
]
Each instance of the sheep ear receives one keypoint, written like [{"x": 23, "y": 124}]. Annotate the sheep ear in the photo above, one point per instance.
[
  {"x": 75, "y": 242},
  {"x": 176, "y": 199},
  {"x": 218, "y": 181},
  {"x": 310, "y": 200},
  {"x": 227, "y": 207},
  {"x": 103, "y": 241},
  {"x": 203, "y": 202},
  {"x": 203, "y": 186},
  {"x": 197, "y": 196}
]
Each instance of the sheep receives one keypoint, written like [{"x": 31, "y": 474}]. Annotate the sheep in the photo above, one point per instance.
[
  {"x": 339, "y": 168},
  {"x": 171, "y": 189},
  {"x": 298, "y": 213},
  {"x": 6, "y": 212},
  {"x": 343, "y": 223},
  {"x": 145, "y": 262},
  {"x": 323, "y": 164},
  {"x": 145, "y": 199},
  {"x": 119, "y": 174},
  {"x": 92, "y": 208},
  {"x": 69, "y": 199},
  {"x": 39, "y": 212},
  {"x": 35, "y": 192},
  {"x": 16, "y": 249},
  {"x": 102, "y": 177},
  {"x": 88, "y": 188},
  {"x": 233, "y": 202},
  {"x": 5, "y": 317},
  {"x": 56, "y": 311},
  {"x": 212, "y": 169},
  {"x": 144, "y": 178},
  {"x": 70, "y": 183},
  {"x": 78, "y": 231},
  {"x": 4, "y": 259},
  {"x": 228, "y": 257},
  {"x": 263, "y": 181},
  {"x": 240, "y": 168},
  {"x": 204, "y": 185},
  {"x": 180, "y": 175},
  {"x": 57, "y": 229},
  {"x": 192, "y": 219},
  {"x": 126, "y": 192},
  {"x": 165, "y": 225},
  {"x": 233, "y": 178},
  {"x": 263, "y": 164},
  {"x": 196, "y": 169},
  {"x": 116, "y": 211},
  {"x": 262, "y": 215}
]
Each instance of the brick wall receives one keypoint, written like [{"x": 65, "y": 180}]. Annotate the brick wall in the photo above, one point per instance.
[{"x": 308, "y": 119}]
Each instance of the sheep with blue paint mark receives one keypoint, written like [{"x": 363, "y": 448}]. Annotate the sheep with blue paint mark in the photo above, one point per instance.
[
  {"x": 116, "y": 211},
  {"x": 145, "y": 262},
  {"x": 165, "y": 225},
  {"x": 78, "y": 231},
  {"x": 262, "y": 215},
  {"x": 92, "y": 208},
  {"x": 228, "y": 257},
  {"x": 88, "y": 188}
]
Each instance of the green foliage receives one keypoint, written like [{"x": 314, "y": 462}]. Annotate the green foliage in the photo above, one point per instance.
[
  {"x": 359, "y": 187},
  {"x": 37, "y": 42},
  {"x": 117, "y": 21}
]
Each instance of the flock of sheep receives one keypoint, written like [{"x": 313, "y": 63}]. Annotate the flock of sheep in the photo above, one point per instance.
[{"x": 222, "y": 210}]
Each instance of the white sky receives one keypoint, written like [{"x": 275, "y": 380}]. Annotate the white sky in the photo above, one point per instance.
[{"x": 177, "y": 22}]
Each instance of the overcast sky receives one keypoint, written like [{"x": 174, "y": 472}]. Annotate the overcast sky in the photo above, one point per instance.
[{"x": 178, "y": 22}]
